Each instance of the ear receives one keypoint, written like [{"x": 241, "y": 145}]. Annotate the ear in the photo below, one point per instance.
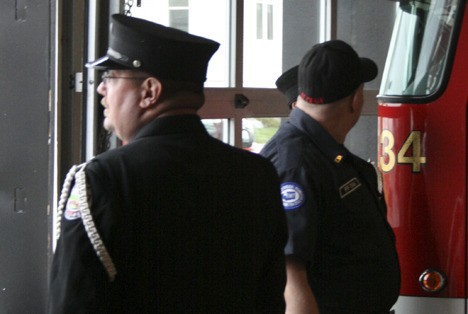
[
  {"x": 151, "y": 90},
  {"x": 357, "y": 99}
]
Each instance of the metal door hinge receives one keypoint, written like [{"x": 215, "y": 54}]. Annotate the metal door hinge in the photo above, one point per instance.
[{"x": 76, "y": 82}]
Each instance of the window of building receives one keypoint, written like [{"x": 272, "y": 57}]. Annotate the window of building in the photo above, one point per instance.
[
  {"x": 190, "y": 16},
  {"x": 179, "y": 14},
  {"x": 264, "y": 21},
  {"x": 263, "y": 43}
]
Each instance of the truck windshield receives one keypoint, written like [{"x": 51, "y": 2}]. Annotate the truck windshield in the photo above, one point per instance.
[{"x": 419, "y": 48}]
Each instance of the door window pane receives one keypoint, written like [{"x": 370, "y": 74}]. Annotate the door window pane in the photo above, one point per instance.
[
  {"x": 256, "y": 132},
  {"x": 191, "y": 17},
  {"x": 276, "y": 39},
  {"x": 259, "y": 21},
  {"x": 217, "y": 128},
  {"x": 270, "y": 22},
  {"x": 179, "y": 19},
  {"x": 178, "y": 3},
  {"x": 263, "y": 42}
]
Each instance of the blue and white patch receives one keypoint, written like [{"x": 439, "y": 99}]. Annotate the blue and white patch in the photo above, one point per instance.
[
  {"x": 292, "y": 195},
  {"x": 72, "y": 211}
]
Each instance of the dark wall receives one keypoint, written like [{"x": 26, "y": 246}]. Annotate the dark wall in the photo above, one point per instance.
[
  {"x": 367, "y": 25},
  {"x": 24, "y": 154},
  {"x": 301, "y": 29}
]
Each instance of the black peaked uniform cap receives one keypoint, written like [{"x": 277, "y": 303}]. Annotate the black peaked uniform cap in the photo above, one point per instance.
[
  {"x": 287, "y": 84},
  {"x": 165, "y": 52}
]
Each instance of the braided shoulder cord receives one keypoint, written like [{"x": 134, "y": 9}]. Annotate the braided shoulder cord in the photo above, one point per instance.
[
  {"x": 63, "y": 199},
  {"x": 379, "y": 177},
  {"x": 90, "y": 227}
]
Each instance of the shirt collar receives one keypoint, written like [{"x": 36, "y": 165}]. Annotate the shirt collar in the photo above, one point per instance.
[
  {"x": 333, "y": 150},
  {"x": 172, "y": 125}
]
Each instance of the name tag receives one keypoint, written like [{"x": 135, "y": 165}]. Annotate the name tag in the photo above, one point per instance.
[{"x": 349, "y": 187}]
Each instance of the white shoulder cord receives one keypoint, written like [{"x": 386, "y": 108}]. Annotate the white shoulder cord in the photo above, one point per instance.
[
  {"x": 379, "y": 177},
  {"x": 63, "y": 199},
  {"x": 90, "y": 227},
  {"x": 86, "y": 217}
]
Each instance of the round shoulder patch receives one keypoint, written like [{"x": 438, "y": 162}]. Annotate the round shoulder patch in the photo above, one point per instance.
[
  {"x": 292, "y": 195},
  {"x": 72, "y": 211}
]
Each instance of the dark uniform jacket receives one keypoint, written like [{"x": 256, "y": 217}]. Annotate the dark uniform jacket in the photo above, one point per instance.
[
  {"x": 336, "y": 218},
  {"x": 192, "y": 225}
]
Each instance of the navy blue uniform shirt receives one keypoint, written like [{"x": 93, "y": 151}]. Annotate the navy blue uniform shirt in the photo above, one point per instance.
[{"x": 336, "y": 218}]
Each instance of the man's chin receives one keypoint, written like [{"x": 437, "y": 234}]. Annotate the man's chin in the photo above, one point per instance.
[{"x": 108, "y": 126}]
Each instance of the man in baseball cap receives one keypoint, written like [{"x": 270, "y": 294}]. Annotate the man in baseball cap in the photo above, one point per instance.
[
  {"x": 340, "y": 256},
  {"x": 331, "y": 71},
  {"x": 174, "y": 221}
]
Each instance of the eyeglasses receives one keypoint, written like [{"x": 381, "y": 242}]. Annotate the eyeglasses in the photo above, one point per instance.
[{"x": 106, "y": 77}]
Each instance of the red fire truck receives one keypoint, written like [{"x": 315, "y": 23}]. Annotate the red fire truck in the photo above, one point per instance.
[{"x": 422, "y": 153}]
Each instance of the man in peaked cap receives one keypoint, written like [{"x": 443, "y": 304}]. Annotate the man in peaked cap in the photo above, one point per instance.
[
  {"x": 340, "y": 256},
  {"x": 287, "y": 84},
  {"x": 174, "y": 221}
]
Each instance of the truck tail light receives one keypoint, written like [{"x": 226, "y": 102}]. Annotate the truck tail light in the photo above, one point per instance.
[{"x": 432, "y": 280}]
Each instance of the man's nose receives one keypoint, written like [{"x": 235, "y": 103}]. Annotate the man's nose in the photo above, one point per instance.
[{"x": 101, "y": 88}]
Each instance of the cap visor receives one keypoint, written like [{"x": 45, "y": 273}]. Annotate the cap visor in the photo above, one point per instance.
[
  {"x": 105, "y": 63},
  {"x": 369, "y": 69}
]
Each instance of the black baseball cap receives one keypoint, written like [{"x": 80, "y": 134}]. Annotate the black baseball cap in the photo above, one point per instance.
[
  {"x": 287, "y": 84},
  {"x": 165, "y": 52},
  {"x": 331, "y": 71}
]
